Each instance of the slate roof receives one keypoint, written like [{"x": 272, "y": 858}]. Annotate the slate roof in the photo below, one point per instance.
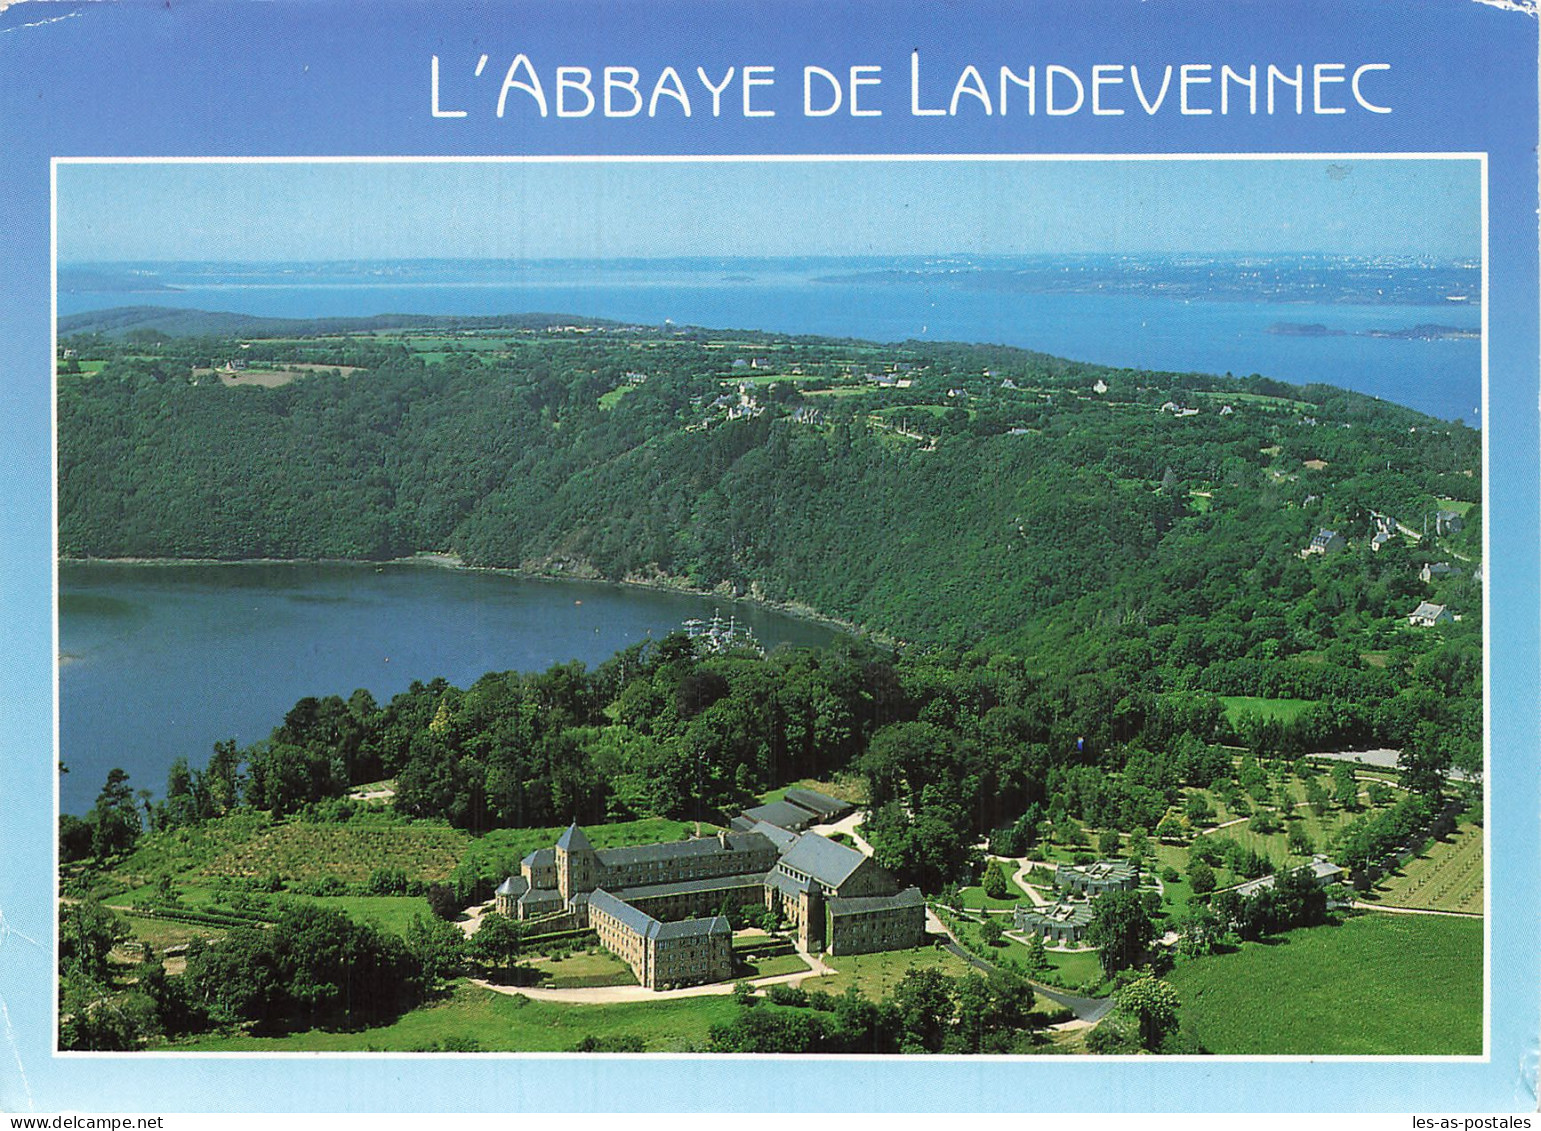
[
  {"x": 825, "y": 860},
  {"x": 783, "y": 814},
  {"x": 673, "y": 850},
  {"x": 716, "y": 883},
  {"x": 540, "y": 897},
  {"x": 821, "y": 803},
  {"x": 648, "y": 927},
  {"x": 780, "y": 837},
  {"x": 692, "y": 928},
  {"x": 541, "y": 857},
  {"x": 639, "y": 921},
  {"x": 743, "y": 824},
  {"x": 514, "y": 885},
  {"x": 786, "y": 884},
  {"x": 573, "y": 840},
  {"x": 862, "y": 904},
  {"x": 1428, "y": 611},
  {"x": 1323, "y": 871},
  {"x": 1101, "y": 870}
]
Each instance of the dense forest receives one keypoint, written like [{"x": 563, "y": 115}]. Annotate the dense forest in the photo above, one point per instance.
[
  {"x": 953, "y": 748},
  {"x": 996, "y": 498},
  {"x": 1125, "y": 544}
]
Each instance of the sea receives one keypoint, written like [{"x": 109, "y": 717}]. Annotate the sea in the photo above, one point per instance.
[{"x": 1342, "y": 321}]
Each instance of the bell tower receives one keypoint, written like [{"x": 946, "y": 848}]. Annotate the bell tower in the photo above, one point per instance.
[{"x": 577, "y": 864}]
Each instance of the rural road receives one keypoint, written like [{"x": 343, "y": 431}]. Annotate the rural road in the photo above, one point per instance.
[
  {"x": 1088, "y": 1009},
  {"x": 1382, "y": 759}
]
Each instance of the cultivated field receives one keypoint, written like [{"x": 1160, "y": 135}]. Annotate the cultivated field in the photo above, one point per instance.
[
  {"x": 300, "y": 850},
  {"x": 1377, "y": 984}
]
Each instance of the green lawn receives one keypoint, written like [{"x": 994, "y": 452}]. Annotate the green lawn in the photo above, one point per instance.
[
  {"x": 609, "y": 400},
  {"x": 876, "y": 975},
  {"x": 593, "y": 967},
  {"x": 777, "y": 964},
  {"x": 507, "y": 1023},
  {"x": 1377, "y": 984},
  {"x": 389, "y": 912},
  {"x": 839, "y": 391},
  {"x": 1071, "y": 969},
  {"x": 1075, "y": 968},
  {"x": 974, "y": 898}
]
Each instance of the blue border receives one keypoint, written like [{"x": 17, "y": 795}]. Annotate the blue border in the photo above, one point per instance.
[{"x": 141, "y": 78}]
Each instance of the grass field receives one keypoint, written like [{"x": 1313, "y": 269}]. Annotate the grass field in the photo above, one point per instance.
[
  {"x": 609, "y": 400},
  {"x": 592, "y": 967},
  {"x": 974, "y": 898},
  {"x": 1446, "y": 876},
  {"x": 876, "y": 975},
  {"x": 840, "y": 391},
  {"x": 776, "y": 964},
  {"x": 1071, "y": 969},
  {"x": 1377, "y": 984},
  {"x": 162, "y": 933},
  {"x": 505, "y": 1023},
  {"x": 388, "y": 912}
]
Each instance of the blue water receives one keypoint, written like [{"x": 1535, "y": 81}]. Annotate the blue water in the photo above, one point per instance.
[
  {"x": 1442, "y": 378},
  {"x": 166, "y": 660}
]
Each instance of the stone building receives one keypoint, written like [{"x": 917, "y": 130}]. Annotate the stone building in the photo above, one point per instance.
[
  {"x": 863, "y": 924},
  {"x": 662, "y": 954},
  {"x": 815, "y": 871},
  {"x": 657, "y": 905}
]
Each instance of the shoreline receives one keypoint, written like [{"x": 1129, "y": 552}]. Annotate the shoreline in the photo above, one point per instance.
[{"x": 664, "y": 583}]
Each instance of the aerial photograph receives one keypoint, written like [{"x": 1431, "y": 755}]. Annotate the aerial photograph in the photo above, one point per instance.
[{"x": 874, "y": 606}]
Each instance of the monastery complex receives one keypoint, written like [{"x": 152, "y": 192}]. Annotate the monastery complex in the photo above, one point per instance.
[{"x": 658, "y": 906}]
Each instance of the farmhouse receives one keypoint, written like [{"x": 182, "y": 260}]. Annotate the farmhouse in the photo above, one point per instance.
[
  {"x": 1427, "y": 615},
  {"x": 1326, "y": 542},
  {"x": 658, "y": 906}
]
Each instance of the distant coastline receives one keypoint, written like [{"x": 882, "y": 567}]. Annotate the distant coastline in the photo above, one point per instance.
[{"x": 1423, "y": 332}]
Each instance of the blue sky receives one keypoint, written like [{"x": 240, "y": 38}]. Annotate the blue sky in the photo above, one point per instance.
[{"x": 318, "y": 211}]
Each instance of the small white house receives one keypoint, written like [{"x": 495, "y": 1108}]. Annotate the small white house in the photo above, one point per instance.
[{"x": 1427, "y": 615}]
